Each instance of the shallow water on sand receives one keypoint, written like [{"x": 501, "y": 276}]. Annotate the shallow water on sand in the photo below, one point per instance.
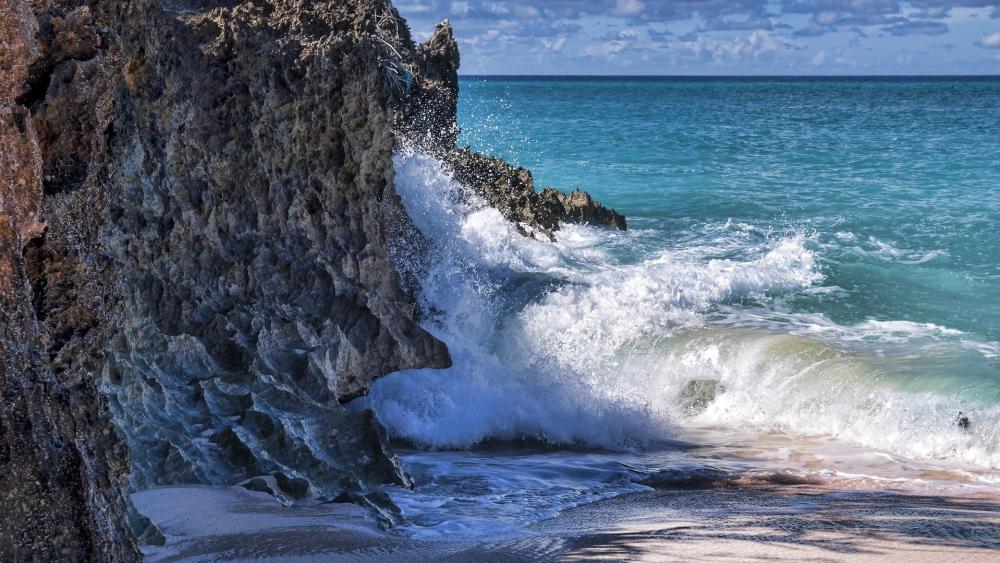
[
  {"x": 721, "y": 524},
  {"x": 495, "y": 492},
  {"x": 809, "y": 290}
]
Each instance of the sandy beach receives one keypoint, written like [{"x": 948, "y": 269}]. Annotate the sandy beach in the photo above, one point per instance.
[{"x": 793, "y": 523}]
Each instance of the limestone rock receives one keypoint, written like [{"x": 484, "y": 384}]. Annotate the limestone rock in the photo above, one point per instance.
[
  {"x": 578, "y": 207},
  {"x": 698, "y": 394},
  {"x": 198, "y": 204},
  {"x": 512, "y": 191},
  {"x": 253, "y": 210},
  {"x": 436, "y": 101}
]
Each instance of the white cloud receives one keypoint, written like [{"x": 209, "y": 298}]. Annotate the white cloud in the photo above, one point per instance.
[
  {"x": 826, "y": 18},
  {"x": 525, "y": 11},
  {"x": 605, "y": 49},
  {"x": 613, "y": 44},
  {"x": 629, "y": 7},
  {"x": 554, "y": 44},
  {"x": 990, "y": 41},
  {"x": 961, "y": 15},
  {"x": 760, "y": 45},
  {"x": 413, "y": 7},
  {"x": 819, "y": 59}
]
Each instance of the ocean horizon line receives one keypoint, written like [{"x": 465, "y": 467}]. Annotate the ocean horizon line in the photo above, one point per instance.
[{"x": 722, "y": 77}]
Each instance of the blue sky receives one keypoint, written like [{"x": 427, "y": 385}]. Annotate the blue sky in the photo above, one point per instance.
[{"x": 717, "y": 36}]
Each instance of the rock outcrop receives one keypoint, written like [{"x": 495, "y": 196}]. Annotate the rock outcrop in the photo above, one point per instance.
[
  {"x": 429, "y": 121},
  {"x": 512, "y": 191},
  {"x": 427, "y": 113},
  {"x": 197, "y": 224}
]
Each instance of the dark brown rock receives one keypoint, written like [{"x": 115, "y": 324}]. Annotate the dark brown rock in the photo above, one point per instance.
[
  {"x": 510, "y": 190},
  {"x": 62, "y": 465},
  {"x": 435, "y": 111},
  {"x": 252, "y": 166}
]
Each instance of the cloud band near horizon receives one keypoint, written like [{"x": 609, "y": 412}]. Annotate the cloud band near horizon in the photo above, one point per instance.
[{"x": 718, "y": 37}]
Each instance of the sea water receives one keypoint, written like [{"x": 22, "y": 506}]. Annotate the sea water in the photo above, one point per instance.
[{"x": 810, "y": 284}]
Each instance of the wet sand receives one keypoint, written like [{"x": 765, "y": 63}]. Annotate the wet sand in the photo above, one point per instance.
[
  {"x": 783, "y": 523},
  {"x": 795, "y": 523}
]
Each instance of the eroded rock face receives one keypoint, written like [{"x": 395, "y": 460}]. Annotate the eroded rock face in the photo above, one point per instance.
[
  {"x": 429, "y": 111},
  {"x": 578, "y": 207},
  {"x": 197, "y": 214},
  {"x": 255, "y": 205},
  {"x": 197, "y": 207}
]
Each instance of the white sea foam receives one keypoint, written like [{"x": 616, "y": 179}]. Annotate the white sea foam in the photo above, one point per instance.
[
  {"x": 550, "y": 369},
  {"x": 496, "y": 498},
  {"x": 883, "y": 251},
  {"x": 564, "y": 343}
]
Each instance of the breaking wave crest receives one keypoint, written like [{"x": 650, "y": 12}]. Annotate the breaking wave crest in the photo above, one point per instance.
[{"x": 576, "y": 342}]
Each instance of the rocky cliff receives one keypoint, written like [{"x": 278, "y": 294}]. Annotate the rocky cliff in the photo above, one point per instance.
[
  {"x": 197, "y": 228},
  {"x": 254, "y": 211}
]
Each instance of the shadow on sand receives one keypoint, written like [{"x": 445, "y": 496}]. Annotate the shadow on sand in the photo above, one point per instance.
[{"x": 800, "y": 523}]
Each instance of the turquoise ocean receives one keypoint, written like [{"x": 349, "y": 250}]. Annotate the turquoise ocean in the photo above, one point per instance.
[{"x": 809, "y": 287}]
